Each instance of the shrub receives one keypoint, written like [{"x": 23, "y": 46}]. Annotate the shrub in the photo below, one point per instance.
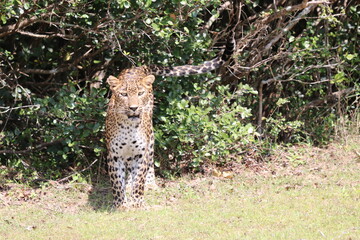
[
  {"x": 204, "y": 125},
  {"x": 70, "y": 124}
]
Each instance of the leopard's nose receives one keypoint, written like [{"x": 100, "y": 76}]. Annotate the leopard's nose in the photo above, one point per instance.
[{"x": 134, "y": 108}]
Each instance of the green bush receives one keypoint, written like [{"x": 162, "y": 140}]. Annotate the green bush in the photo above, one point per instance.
[
  {"x": 203, "y": 125},
  {"x": 70, "y": 123},
  {"x": 53, "y": 53}
]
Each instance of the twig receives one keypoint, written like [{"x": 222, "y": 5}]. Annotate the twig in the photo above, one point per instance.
[
  {"x": 9, "y": 29},
  {"x": 288, "y": 9},
  {"x": 36, "y": 35},
  {"x": 292, "y": 23},
  {"x": 327, "y": 99},
  {"x": 20, "y": 107},
  {"x": 215, "y": 16},
  {"x": 67, "y": 177},
  {"x": 291, "y": 79},
  {"x": 67, "y": 67},
  {"x": 31, "y": 149}
]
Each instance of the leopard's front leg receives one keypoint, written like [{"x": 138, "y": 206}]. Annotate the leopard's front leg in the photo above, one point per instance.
[
  {"x": 139, "y": 172},
  {"x": 117, "y": 173}
]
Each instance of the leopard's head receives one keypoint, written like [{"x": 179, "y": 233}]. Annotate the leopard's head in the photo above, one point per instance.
[{"x": 132, "y": 92}]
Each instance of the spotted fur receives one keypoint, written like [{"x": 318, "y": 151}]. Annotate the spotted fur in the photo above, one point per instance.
[{"x": 129, "y": 130}]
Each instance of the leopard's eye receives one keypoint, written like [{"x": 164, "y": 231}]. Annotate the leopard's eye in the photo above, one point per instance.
[
  {"x": 124, "y": 94},
  {"x": 141, "y": 93}
]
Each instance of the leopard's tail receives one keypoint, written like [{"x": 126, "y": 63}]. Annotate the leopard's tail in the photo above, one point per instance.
[{"x": 204, "y": 67}]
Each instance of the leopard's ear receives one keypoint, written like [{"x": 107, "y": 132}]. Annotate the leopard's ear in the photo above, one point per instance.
[
  {"x": 148, "y": 81},
  {"x": 113, "y": 82}
]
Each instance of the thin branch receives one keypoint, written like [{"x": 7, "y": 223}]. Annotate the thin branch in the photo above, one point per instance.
[
  {"x": 292, "y": 23},
  {"x": 285, "y": 11},
  {"x": 67, "y": 67},
  {"x": 330, "y": 98},
  {"x": 9, "y": 29},
  {"x": 63, "y": 25},
  {"x": 46, "y": 36},
  {"x": 83, "y": 170},
  {"x": 215, "y": 16},
  {"x": 289, "y": 79},
  {"x": 20, "y": 107},
  {"x": 31, "y": 149}
]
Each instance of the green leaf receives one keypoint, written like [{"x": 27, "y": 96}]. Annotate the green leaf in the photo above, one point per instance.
[
  {"x": 350, "y": 56},
  {"x": 127, "y": 4},
  {"x": 26, "y": 6},
  {"x": 339, "y": 78},
  {"x": 282, "y": 101},
  {"x": 98, "y": 150},
  {"x": 306, "y": 44},
  {"x": 155, "y": 26},
  {"x": 148, "y": 3},
  {"x": 3, "y": 19}
]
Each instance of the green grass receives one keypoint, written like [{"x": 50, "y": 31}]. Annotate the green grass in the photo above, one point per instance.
[{"x": 319, "y": 199}]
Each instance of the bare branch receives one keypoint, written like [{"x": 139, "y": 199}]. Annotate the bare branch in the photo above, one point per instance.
[
  {"x": 77, "y": 172},
  {"x": 31, "y": 149},
  {"x": 67, "y": 67},
  {"x": 9, "y": 29},
  {"x": 330, "y": 98},
  {"x": 292, "y": 77},
  {"x": 289, "y": 79},
  {"x": 36, "y": 35},
  {"x": 215, "y": 16},
  {"x": 292, "y": 23},
  {"x": 20, "y": 107}
]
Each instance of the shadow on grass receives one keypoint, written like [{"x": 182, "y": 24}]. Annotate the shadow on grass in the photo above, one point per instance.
[{"x": 100, "y": 198}]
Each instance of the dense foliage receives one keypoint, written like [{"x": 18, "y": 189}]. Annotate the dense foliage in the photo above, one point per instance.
[{"x": 294, "y": 76}]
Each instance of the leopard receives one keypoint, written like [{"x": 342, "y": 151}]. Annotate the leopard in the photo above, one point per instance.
[{"x": 129, "y": 127}]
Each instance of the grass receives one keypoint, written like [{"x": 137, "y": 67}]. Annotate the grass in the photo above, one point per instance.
[{"x": 317, "y": 199}]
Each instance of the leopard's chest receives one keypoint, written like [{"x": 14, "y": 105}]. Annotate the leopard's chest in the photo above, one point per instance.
[{"x": 128, "y": 141}]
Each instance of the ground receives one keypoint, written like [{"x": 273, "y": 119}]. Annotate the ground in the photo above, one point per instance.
[{"x": 301, "y": 192}]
